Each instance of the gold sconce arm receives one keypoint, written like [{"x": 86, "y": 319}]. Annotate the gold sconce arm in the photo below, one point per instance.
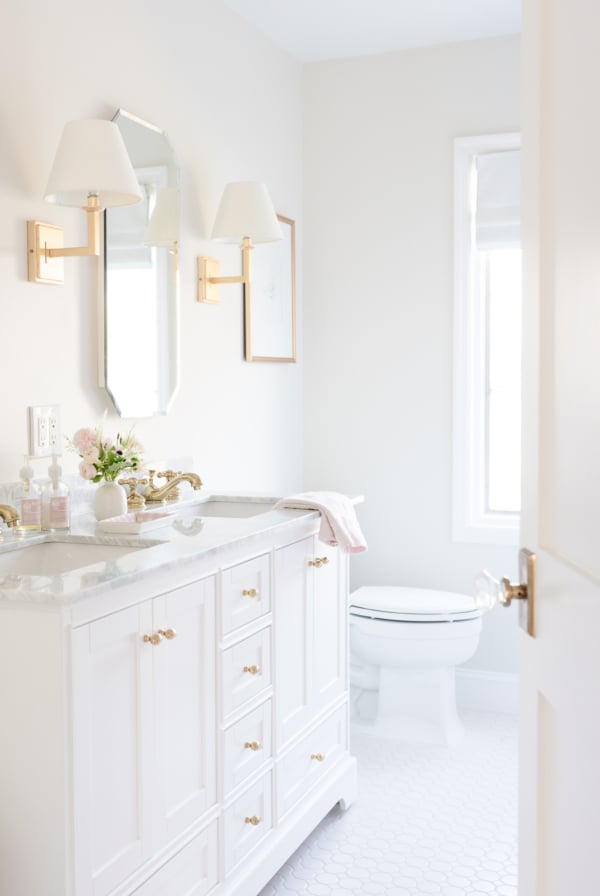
[
  {"x": 209, "y": 279},
  {"x": 45, "y": 245}
]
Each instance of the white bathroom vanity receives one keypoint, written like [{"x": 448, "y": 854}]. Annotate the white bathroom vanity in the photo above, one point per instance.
[{"x": 175, "y": 711}]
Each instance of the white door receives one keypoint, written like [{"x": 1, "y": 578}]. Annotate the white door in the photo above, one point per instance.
[{"x": 560, "y": 734}]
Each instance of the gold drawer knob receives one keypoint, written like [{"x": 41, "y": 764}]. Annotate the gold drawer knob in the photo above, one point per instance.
[
  {"x": 318, "y": 756},
  {"x": 154, "y": 639},
  {"x": 252, "y": 745},
  {"x": 318, "y": 562},
  {"x": 253, "y": 670},
  {"x": 253, "y": 820},
  {"x": 169, "y": 634},
  {"x": 250, "y": 592}
]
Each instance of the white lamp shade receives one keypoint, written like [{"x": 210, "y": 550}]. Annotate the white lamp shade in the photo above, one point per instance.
[
  {"x": 92, "y": 158},
  {"x": 246, "y": 210},
  {"x": 163, "y": 227}
]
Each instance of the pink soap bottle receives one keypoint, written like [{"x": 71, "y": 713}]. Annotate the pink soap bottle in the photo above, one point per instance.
[{"x": 56, "y": 503}]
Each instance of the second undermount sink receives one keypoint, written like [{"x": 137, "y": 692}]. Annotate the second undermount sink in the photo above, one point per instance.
[
  {"x": 238, "y": 508},
  {"x": 53, "y": 558}
]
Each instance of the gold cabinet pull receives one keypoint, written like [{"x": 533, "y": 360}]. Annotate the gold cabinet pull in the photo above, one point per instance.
[
  {"x": 252, "y": 745},
  {"x": 250, "y": 592},
  {"x": 169, "y": 634},
  {"x": 318, "y": 562},
  {"x": 253, "y": 820},
  {"x": 318, "y": 756},
  {"x": 153, "y": 639},
  {"x": 253, "y": 670}
]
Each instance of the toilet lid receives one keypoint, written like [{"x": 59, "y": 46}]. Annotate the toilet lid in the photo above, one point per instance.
[{"x": 412, "y": 604}]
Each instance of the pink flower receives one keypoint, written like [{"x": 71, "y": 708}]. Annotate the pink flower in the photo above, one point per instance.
[
  {"x": 87, "y": 471},
  {"x": 91, "y": 455},
  {"x": 84, "y": 439}
]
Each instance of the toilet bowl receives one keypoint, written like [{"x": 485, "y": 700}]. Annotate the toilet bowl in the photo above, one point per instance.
[{"x": 405, "y": 644}]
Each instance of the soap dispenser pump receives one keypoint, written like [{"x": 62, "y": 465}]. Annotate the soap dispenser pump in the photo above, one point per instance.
[
  {"x": 56, "y": 506},
  {"x": 29, "y": 499}
]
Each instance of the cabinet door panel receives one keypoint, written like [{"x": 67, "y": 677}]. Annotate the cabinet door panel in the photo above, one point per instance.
[
  {"x": 192, "y": 872},
  {"x": 293, "y": 634},
  {"x": 185, "y": 691},
  {"x": 113, "y": 712},
  {"x": 330, "y": 627}
]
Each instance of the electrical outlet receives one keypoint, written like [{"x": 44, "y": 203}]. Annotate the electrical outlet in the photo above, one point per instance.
[{"x": 44, "y": 431}]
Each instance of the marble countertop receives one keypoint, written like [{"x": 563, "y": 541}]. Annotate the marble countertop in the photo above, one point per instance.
[{"x": 188, "y": 537}]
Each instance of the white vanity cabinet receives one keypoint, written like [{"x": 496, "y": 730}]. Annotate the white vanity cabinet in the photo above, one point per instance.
[
  {"x": 179, "y": 733},
  {"x": 144, "y": 763}
]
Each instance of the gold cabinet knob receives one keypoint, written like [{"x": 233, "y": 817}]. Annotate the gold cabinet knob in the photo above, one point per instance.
[
  {"x": 318, "y": 562},
  {"x": 318, "y": 756},
  {"x": 252, "y": 745},
  {"x": 253, "y": 820},
  {"x": 153, "y": 639},
  {"x": 250, "y": 592},
  {"x": 169, "y": 634},
  {"x": 253, "y": 670}
]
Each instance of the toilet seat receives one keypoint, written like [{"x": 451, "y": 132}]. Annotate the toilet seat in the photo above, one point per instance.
[{"x": 398, "y": 604}]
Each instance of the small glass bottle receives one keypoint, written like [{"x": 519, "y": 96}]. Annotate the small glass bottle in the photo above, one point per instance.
[
  {"x": 29, "y": 500},
  {"x": 56, "y": 504}
]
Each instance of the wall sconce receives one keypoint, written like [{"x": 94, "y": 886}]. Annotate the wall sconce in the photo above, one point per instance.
[
  {"x": 91, "y": 170},
  {"x": 246, "y": 216}
]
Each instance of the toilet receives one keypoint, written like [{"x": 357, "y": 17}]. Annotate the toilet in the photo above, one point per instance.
[{"x": 405, "y": 644}]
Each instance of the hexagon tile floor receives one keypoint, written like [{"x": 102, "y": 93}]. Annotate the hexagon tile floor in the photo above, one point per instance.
[{"x": 427, "y": 820}]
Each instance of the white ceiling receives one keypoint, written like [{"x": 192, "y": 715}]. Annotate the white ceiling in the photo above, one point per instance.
[{"x": 311, "y": 30}]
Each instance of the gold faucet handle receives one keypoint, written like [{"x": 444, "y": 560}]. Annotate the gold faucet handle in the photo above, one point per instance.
[{"x": 134, "y": 499}]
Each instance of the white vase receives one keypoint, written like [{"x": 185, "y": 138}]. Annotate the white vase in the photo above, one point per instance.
[{"x": 109, "y": 500}]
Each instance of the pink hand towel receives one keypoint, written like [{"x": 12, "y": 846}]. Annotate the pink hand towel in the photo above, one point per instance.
[{"x": 339, "y": 525}]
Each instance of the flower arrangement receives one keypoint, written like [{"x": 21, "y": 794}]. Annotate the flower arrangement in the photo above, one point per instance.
[{"x": 104, "y": 458}]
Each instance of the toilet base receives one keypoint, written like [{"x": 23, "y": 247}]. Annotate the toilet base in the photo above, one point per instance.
[{"x": 413, "y": 705}]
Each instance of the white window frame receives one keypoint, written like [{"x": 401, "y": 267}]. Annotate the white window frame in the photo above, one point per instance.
[{"x": 471, "y": 521}]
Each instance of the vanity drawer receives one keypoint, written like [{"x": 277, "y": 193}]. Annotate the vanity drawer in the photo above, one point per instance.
[
  {"x": 246, "y": 745},
  {"x": 312, "y": 757},
  {"x": 246, "y": 670},
  {"x": 247, "y": 821},
  {"x": 192, "y": 872},
  {"x": 245, "y": 592}
]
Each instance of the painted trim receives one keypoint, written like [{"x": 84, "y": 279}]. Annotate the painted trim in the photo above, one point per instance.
[
  {"x": 470, "y": 523},
  {"x": 486, "y": 691}
]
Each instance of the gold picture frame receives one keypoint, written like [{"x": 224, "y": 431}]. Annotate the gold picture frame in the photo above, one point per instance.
[{"x": 270, "y": 299}]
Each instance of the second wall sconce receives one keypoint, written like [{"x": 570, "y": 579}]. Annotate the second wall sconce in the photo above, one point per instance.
[
  {"x": 245, "y": 216},
  {"x": 92, "y": 170}
]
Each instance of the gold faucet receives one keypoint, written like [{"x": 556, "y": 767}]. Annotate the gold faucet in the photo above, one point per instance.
[
  {"x": 9, "y": 515},
  {"x": 169, "y": 492}
]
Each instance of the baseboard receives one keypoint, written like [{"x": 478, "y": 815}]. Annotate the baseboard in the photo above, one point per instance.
[{"x": 487, "y": 691}]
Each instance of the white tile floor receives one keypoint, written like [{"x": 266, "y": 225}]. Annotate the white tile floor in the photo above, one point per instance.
[{"x": 427, "y": 820}]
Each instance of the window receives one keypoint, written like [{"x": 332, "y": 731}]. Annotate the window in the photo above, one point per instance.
[{"x": 487, "y": 340}]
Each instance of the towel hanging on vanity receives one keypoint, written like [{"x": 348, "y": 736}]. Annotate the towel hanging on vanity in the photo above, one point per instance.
[{"x": 339, "y": 525}]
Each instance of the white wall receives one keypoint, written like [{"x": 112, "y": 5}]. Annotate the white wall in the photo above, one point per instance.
[
  {"x": 378, "y": 144},
  {"x": 231, "y": 104}
]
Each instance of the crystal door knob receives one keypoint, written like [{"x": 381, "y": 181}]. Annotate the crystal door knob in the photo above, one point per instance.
[{"x": 489, "y": 592}]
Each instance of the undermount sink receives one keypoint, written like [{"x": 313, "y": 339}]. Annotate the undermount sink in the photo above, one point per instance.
[
  {"x": 53, "y": 558},
  {"x": 236, "y": 507}
]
